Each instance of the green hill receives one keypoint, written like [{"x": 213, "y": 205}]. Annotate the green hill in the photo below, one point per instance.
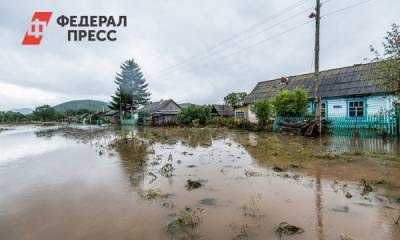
[
  {"x": 91, "y": 105},
  {"x": 185, "y": 105}
]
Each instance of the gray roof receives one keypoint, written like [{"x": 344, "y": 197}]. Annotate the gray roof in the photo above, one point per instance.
[
  {"x": 112, "y": 113},
  {"x": 157, "y": 106},
  {"x": 223, "y": 110},
  {"x": 340, "y": 82}
]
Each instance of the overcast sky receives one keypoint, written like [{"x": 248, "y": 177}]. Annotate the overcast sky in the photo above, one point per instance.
[{"x": 161, "y": 34}]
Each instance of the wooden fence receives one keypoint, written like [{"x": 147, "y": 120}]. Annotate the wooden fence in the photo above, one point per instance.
[{"x": 381, "y": 125}]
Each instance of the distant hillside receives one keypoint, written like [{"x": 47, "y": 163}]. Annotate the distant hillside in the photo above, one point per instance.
[
  {"x": 91, "y": 105},
  {"x": 185, "y": 105},
  {"x": 22, "y": 110}
]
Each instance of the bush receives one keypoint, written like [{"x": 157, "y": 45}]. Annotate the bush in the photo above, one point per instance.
[
  {"x": 228, "y": 122},
  {"x": 187, "y": 115},
  {"x": 262, "y": 108},
  {"x": 247, "y": 125},
  {"x": 290, "y": 103}
]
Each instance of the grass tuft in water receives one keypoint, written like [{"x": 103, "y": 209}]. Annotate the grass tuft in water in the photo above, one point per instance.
[
  {"x": 193, "y": 184},
  {"x": 285, "y": 228},
  {"x": 153, "y": 194}
]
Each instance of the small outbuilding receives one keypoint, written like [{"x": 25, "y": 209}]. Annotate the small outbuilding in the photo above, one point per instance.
[
  {"x": 163, "y": 112},
  {"x": 112, "y": 116},
  {"x": 221, "y": 110}
]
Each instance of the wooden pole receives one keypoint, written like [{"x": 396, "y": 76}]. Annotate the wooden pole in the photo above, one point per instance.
[{"x": 316, "y": 73}]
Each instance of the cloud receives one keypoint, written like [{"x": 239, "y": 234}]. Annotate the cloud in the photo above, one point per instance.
[{"x": 161, "y": 34}]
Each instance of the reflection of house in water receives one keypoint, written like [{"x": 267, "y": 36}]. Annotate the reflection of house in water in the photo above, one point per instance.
[
  {"x": 193, "y": 137},
  {"x": 343, "y": 144},
  {"x": 133, "y": 154}
]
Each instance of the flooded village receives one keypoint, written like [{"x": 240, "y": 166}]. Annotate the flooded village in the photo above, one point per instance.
[
  {"x": 90, "y": 182},
  {"x": 276, "y": 151},
  {"x": 186, "y": 171}
]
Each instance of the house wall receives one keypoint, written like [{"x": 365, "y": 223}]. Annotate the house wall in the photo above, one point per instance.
[
  {"x": 338, "y": 107},
  {"x": 241, "y": 109},
  {"x": 248, "y": 114},
  {"x": 171, "y": 107},
  {"x": 251, "y": 116}
]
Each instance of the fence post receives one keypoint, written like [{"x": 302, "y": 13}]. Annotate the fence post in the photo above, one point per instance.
[{"x": 398, "y": 123}]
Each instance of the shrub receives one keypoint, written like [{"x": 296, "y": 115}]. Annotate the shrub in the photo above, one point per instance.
[
  {"x": 290, "y": 103},
  {"x": 262, "y": 108},
  {"x": 228, "y": 122},
  {"x": 246, "y": 125},
  {"x": 187, "y": 115}
]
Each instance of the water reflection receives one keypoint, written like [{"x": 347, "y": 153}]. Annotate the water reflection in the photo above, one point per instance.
[{"x": 99, "y": 183}]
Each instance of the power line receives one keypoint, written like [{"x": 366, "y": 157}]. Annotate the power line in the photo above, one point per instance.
[
  {"x": 230, "y": 39},
  {"x": 204, "y": 54},
  {"x": 289, "y": 30},
  {"x": 345, "y": 8}
]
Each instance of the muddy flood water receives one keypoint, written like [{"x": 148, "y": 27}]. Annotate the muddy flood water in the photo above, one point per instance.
[{"x": 79, "y": 182}]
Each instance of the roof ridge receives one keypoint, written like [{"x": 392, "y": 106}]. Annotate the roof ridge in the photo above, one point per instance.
[{"x": 303, "y": 74}]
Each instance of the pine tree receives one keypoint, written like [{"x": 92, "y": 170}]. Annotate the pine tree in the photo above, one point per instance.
[{"x": 132, "y": 89}]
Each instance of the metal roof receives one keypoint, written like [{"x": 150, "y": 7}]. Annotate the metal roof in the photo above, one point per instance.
[
  {"x": 157, "y": 106},
  {"x": 223, "y": 110},
  {"x": 347, "y": 81}
]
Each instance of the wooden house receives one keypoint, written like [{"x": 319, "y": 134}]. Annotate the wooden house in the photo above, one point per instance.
[
  {"x": 162, "y": 112},
  {"x": 221, "y": 111},
  {"x": 347, "y": 92},
  {"x": 112, "y": 116}
]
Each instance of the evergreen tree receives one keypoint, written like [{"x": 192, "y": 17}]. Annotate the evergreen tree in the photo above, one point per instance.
[{"x": 131, "y": 90}]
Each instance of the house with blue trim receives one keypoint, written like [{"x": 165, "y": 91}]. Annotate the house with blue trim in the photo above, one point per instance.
[{"x": 345, "y": 92}]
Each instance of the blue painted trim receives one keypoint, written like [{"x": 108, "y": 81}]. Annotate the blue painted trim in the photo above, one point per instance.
[
  {"x": 326, "y": 107},
  {"x": 364, "y": 100}
]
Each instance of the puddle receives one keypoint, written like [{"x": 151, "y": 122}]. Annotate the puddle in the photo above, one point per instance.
[{"x": 107, "y": 183}]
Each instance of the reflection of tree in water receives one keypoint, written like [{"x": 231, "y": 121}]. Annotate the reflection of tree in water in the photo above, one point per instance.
[
  {"x": 133, "y": 155},
  {"x": 192, "y": 137}
]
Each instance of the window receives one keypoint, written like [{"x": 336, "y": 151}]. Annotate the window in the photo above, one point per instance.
[
  {"x": 239, "y": 115},
  {"x": 323, "y": 110},
  {"x": 356, "y": 108}
]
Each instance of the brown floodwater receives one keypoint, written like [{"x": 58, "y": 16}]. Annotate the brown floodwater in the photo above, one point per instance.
[{"x": 80, "y": 182}]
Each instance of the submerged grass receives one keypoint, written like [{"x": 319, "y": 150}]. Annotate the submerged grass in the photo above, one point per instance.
[
  {"x": 153, "y": 194},
  {"x": 184, "y": 223}
]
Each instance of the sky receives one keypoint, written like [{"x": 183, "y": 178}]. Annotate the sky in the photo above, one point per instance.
[{"x": 188, "y": 50}]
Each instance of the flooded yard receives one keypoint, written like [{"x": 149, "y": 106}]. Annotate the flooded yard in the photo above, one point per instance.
[{"x": 79, "y": 182}]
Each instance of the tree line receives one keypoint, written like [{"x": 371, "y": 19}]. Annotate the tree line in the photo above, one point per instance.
[{"x": 44, "y": 113}]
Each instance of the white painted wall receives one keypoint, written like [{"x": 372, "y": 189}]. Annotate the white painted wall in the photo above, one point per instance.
[
  {"x": 375, "y": 105},
  {"x": 337, "y": 107},
  {"x": 252, "y": 116}
]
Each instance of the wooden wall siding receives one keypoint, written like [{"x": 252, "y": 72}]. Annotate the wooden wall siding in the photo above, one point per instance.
[
  {"x": 337, "y": 107},
  {"x": 251, "y": 116},
  {"x": 242, "y": 109},
  {"x": 171, "y": 107},
  {"x": 374, "y": 105}
]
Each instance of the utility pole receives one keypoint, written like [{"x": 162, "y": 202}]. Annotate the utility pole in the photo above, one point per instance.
[{"x": 316, "y": 73}]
